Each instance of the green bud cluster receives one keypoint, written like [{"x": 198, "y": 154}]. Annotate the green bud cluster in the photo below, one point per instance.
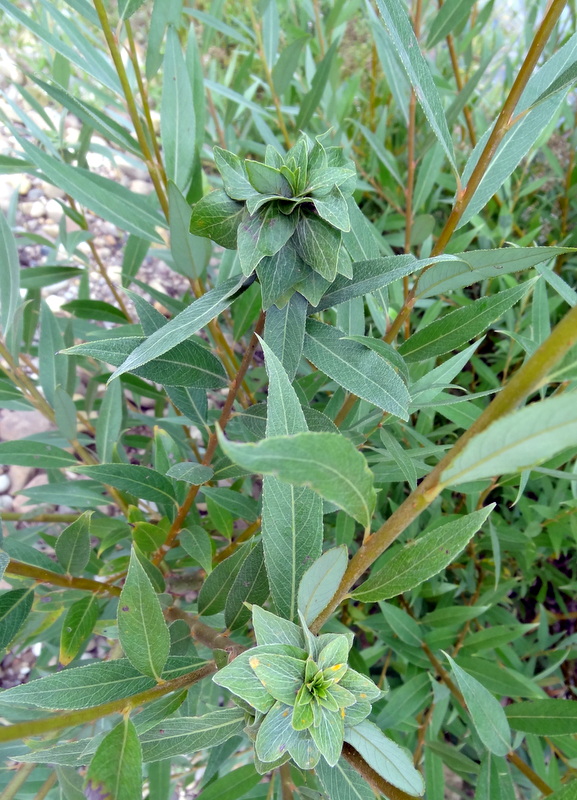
[
  {"x": 299, "y": 690},
  {"x": 286, "y": 217}
]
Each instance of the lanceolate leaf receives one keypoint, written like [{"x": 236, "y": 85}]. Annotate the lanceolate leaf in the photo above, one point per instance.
[
  {"x": 177, "y": 119},
  {"x": 78, "y": 625},
  {"x": 407, "y": 46},
  {"x": 450, "y": 15},
  {"x": 320, "y": 582},
  {"x": 523, "y": 135},
  {"x": 292, "y": 535},
  {"x": 183, "y": 735},
  {"x": 486, "y": 712},
  {"x": 143, "y": 632},
  {"x": 457, "y": 327},
  {"x": 73, "y": 545},
  {"x": 422, "y": 558},
  {"x": 356, "y": 368},
  {"x": 115, "y": 771},
  {"x": 214, "y": 592},
  {"x": 188, "y": 364},
  {"x": 143, "y": 482},
  {"x": 284, "y": 332},
  {"x": 9, "y": 276},
  {"x": 343, "y": 782},
  {"x": 15, "y": 606},
  {"x": 543, "y": 717},
  {"x": 327, "y": 463},
  {"x": 386, "y": 757},
  {"x": 477, "y": 265},
  {"x": 107, "y": 198},
  {"x": 26, "y": 453},
  {"x": 83, "y": 687},
  {"x": 250, "y": 586},
  {"x": 109, "y": 422},
  {"x": 183, "y": 326},
  {"x": 517, "y": 441}
]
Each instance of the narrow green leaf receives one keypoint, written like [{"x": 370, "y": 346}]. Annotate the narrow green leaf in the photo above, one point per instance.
[
  {"x": 523, "y": 135},
  {"x": 250, "y": 586},
  {"x": 237, "y": 783},
  {"x": 239, "y": 505},
  {"x": 214, "y": 591},
  {"x": 356, "y": 368},
  {"x": 190, "y": 472},
  {"x": 486, "y": 712},
  {"x": 39, "y": 277},
  {"x": 25, "y": 453},
  {"x": 197, "y": 544},
  {"x": 320, "y": 582},
  {"x": 177, "y": 118},
  {"x": 549, "y": 717},
  {"x": 91, "y": 116},
  {"x": 109, "y": 423},
  {"x": 142, "y": 482},
  {"x": 185, "y": 735},
  {"x": 73, "y": 545},
  {"x": 181, "y": 327},
  {"x": 9, "y": 276},
  {"x": 84, "y": 687},
  {"x": 518, "y": 441},
  {"x": 143, "y": 632},
  {"x": 188, "y": 364},
  {"x": 78, "y": 625},
  {"x": 313, "y": 97},
  {"x": 284, "y": 333},
  {"x": 126, "y": 8},
  {"x": 291, "y": 517},
  {"x": 134, "y": 254},
  {"x": 369, "y": 276},
  {"x": 15, "y": 606},
  {"x": 451, "y": 14},
  {"x": 115, "y": 771},
  {"x": 407, "y": 46},
  {"x": 105, "y": 197},
  {"x": 477, "y": 265},
  {"x": 343, "y": 782},
  {"x": 386, "y": 757},
  {"x": 190, "y": 254},
  {"x": 462, "y": 325},
  {"x": 286, "y": 65},
  {"x": 422, "y": 558},
  {"x": 327, "y": 463}
]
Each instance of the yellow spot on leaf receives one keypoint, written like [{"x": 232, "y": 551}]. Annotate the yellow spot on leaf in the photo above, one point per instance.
[
  {"x": 285, "y": 713},
  {"x": 363, "y": 695},
  {"x": 254, "y": 662},
  {"x": 336, "y": 667},
  {"x": 343, "y": 713}
]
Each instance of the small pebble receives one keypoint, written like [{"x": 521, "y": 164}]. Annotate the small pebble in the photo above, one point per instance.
[{"x": 4, "y": 483}]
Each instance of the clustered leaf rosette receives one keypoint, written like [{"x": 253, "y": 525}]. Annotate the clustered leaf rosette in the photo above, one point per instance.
[
  {"x": 285, "y": 217},
  {"x": 300, "y": 690}
]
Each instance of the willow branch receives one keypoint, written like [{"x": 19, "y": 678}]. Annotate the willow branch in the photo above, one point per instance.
[
  {"x": 35, "y": 727},
  {"x": 41, "y": 575},
  {"x": 525, "y": 381},
  {"x": 184, "y": 509}
]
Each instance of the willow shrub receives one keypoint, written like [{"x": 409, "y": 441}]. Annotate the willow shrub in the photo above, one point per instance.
[{"x": 322, "y": 503}]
